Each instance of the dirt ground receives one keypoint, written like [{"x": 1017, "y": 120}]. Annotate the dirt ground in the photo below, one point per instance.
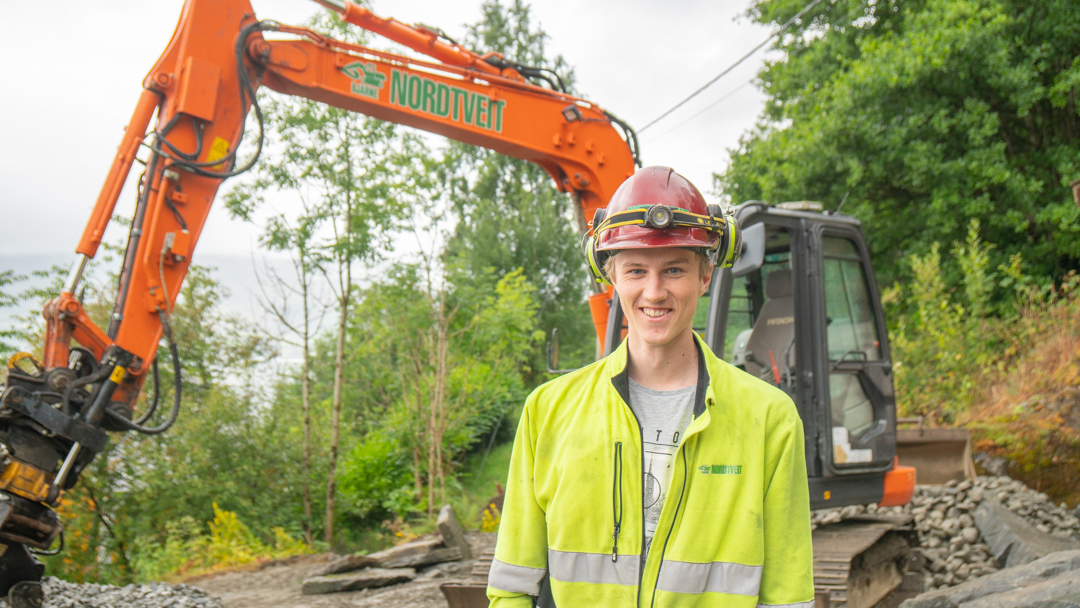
[{"x": 278, "y": 584}]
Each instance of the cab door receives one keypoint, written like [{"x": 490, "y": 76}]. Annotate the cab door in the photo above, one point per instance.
[
  {"x": 759, "y": 313},
  {"x": 853, "y": 377}
]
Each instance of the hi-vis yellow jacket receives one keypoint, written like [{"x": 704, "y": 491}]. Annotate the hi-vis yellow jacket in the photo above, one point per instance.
[{"x": 734, "y": 530}]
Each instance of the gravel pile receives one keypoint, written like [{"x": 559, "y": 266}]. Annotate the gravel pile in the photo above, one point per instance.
[
  {"x": 62, "y": 594},
  {"x": 950, "y": 540}
]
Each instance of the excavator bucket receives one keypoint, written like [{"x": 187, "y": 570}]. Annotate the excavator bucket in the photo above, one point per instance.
[
  {"x": 938, "y": 455},
  {"x": 472, "y": 592}
]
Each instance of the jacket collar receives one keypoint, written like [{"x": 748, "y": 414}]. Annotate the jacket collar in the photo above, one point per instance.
[{"x": 619, "y": 372}]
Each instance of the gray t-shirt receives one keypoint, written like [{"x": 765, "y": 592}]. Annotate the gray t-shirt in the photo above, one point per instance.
[{"x": 664, "y": 417}]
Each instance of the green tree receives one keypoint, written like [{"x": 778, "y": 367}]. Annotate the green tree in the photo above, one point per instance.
[
  {"x": 453, "y": 345},
  {"x": 10, "y": 336},
  {"x": 278, "y": 295},
  {"x": 355, "y": 167},
  {"x": 510, "y": 214},
  {"x": 24, "y": 297},
  {"x": 931, "y": 113},
  {"x": 231, "y": 445}
]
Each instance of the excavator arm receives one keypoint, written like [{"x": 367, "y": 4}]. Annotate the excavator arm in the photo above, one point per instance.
[{"x": 202, "y": 90}]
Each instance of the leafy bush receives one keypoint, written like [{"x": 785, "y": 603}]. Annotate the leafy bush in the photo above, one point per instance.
[
  {"x": 944, "y": 344},
  {"x": 1011, "y": 372},
  {"x": 1027, "y": 411},
  {"x": 187, "y": 549},
  {"x": 491, "y": 519},
  {"x": 375, "y": 480}
]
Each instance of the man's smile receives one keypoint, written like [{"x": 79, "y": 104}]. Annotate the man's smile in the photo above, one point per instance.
[{"x": 655, "y": 313}]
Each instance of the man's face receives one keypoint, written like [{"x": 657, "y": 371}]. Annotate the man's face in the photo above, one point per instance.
[{"x": 658, "y": 290}]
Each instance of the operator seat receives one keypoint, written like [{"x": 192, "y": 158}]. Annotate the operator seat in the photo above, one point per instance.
[{"x": 774, "y": 330}]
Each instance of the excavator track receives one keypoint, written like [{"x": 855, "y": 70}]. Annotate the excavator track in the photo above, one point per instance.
[{"x": 861, "y": 560}]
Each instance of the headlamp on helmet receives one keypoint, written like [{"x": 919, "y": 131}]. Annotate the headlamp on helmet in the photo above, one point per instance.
[{"x": 659, "y": 217}]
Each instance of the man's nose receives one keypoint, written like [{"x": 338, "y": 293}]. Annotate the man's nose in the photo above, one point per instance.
[{"x": 654, "y": 288}]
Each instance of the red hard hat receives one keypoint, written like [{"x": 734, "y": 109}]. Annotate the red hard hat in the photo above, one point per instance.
[
  {"x": 657, "y": 207},
  {"x": 645, "y": 189}
]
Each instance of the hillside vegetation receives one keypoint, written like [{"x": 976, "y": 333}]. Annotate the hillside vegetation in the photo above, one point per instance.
[{"x": 951, "y": 126}]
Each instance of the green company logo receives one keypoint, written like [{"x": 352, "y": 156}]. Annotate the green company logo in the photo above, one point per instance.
[
  {"x": 721, "y": 469},
  {"x": 367, "y": 80},
  {"x": 446, "y": 101}
]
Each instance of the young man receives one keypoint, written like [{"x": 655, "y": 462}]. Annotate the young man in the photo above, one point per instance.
[{"x": 660, "y": 475}]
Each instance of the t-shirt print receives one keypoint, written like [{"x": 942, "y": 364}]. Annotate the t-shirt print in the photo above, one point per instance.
[{"x": 664, "y": 417}]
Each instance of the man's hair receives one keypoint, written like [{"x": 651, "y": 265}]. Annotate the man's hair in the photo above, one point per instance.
[{"x": 704, "y": 263}]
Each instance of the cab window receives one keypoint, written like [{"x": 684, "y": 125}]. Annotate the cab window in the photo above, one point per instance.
[{"x": 852, "y": 329}]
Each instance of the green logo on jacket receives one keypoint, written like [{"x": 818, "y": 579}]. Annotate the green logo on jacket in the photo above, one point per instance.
[{"x": 721, "y": 469}]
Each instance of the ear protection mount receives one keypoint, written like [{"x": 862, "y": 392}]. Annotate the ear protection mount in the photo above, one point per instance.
[
  {"x": 663, "y": 217},
  {"x": 595, "y": 259}
]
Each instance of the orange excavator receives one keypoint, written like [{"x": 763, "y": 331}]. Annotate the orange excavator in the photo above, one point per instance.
[{"x": 55, "y": 413}]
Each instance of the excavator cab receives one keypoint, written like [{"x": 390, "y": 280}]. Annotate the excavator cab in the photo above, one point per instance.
[{"x": 800, "y": 310}]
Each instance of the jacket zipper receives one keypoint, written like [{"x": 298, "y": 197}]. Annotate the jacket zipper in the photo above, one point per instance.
[
  {"x": 616, "y": 501},
  {"x": 641, "y": 508},
  {"x": 674, "y": 518}
]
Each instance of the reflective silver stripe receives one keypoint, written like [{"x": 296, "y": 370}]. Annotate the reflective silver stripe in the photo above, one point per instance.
[
  {"x": 716, "y": 577},
  {"x": 570, "y": 567},
  {"x": 809, "y": 604},
  {"x": 519, "y": 579}
]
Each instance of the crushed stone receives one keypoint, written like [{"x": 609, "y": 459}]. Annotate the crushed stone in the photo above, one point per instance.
[
  {"x": 62, "y": 594},
  {"x": 948, "y": 537}
]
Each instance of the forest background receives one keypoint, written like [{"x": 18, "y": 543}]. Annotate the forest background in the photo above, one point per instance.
[{"x": 949, "y": 127}]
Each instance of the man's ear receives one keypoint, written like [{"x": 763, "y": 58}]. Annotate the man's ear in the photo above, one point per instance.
[{"x": 706, "y": 280}]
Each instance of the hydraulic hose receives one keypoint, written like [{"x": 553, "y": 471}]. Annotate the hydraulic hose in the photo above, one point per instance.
[
  {"x": 102, "y": 373},
  {"x": 137, "y": 426},
  {"x": 164, "y": 426},
  {"x": 157, "y": 395}
]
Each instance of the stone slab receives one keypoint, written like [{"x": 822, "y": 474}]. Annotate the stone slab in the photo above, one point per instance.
[
  {"x": 348, "y": 563},
  {"x": 1069, "y": 601},
  {"x": 1001, "y": 581},
  {"x": 416, "y": 553},
  {"x": 1012, "y": 539},
  {"x": 1032, "y": 596},
  {"x": 368, "y": 578},
  {"x": 452, "y": 534}
]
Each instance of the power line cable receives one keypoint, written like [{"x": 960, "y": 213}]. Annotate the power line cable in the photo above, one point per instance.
[
  {"x": 861, "y": 5},
  {"x": 734, "y": 65},
  {"x": 702, "y": 111}
]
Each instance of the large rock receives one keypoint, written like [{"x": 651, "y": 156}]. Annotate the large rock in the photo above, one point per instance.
[
  {"x": 416, "y": 553},
  {"x": 348, "y": 563},
  {"x": 1012, "y": 539},
  {"x": 452, "y": 534},
  {"x": 1032, "y": 596},
  {"x": 371, "y": 577},
  {"x": 1069, "y": 601},
  {"x": 451, "y": 545},
  {"x": 1003, "y": 581}
]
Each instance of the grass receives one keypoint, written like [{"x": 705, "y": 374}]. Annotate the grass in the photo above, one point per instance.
[
  {"x": 479, "y": 485},
  {"x": 1027, "y": 411}
]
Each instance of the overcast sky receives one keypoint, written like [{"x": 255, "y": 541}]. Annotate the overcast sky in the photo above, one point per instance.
[{"x": 72, "y": 75}]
